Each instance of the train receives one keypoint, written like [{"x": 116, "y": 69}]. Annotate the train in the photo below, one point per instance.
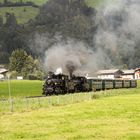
[{"x": 56, "y": 84}]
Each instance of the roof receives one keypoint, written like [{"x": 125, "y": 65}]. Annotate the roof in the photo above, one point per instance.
[
  {"x": 3, "y": 70},
  {"x": 128, "y": 71},
  {"x": 111, "y": 71},
  {"x": 137, "y": 69}
]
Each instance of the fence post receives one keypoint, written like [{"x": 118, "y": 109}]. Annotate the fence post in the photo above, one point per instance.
[
  {"x": 58, "y": 100},
  {"x": 49, "y": 100},
  {"x": 11, "y": 105},
  {"x": 72, "y": 98},
  {"x": 27, "y": 103},
  {"x": 90, "y": 95},
  {"x": 39, "y": 102}
]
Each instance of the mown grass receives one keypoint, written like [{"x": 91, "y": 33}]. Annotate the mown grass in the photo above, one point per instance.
[
  {"x": 111, "y": 118},
  {"x": 21, "y": 88},
  {"x": 22, "y": 14}
]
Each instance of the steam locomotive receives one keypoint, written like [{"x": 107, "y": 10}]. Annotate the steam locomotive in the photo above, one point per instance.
[{"x": 61, "y": 84}]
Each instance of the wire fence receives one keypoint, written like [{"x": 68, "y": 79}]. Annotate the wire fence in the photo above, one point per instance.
[{"x": 23, "y": 104}]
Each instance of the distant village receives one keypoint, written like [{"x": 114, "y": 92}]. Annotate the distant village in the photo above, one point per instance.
[
  {"x": 101, "y": 74},
  {"x": 117, "y": 73}
]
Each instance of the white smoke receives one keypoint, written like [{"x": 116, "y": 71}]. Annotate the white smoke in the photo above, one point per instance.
[
  {"x": 117, "y": 35},
  {"x": 119, "y": 29},
  {"x": 59, "y": 71},
  {"x": 83, "y": 59}
]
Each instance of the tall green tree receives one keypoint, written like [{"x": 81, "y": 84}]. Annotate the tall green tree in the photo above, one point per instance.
[
  {"x": 20, "y": 61},
  {"x": 24, "y": 64}
]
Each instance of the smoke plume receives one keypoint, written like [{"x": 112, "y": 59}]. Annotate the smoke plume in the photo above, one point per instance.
[
  {"x": 116, "y": 40},
  {"x": 119, "y": 31}
]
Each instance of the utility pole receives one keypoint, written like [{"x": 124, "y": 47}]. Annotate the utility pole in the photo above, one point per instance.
[{"x": 9, "y": 90}]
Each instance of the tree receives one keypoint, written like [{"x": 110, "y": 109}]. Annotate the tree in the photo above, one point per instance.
[
  {"x": 18, "y": 60},
  {"x": 24, "y": 64},
  {"x": 1, "y": 21},
  {"x": 11, "y": 21}
]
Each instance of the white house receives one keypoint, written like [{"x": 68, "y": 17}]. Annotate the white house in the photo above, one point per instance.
[
  {"x": 3, "y": 71},
  {"x": 137, "y": 73},
  {"x": 128, "y": 74},
  {"x": 109, "y": 74}
]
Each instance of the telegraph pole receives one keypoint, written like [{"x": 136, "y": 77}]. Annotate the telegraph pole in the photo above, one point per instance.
[{"x": 9, "y": 90}]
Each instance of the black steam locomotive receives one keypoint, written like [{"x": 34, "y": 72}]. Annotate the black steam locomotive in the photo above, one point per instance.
[{"x": 62, "y": 84}]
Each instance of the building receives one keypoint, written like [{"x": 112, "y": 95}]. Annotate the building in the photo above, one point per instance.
[
  {"x": 109, "y": 74},
  {"x": 128, "y": 74},
  {"x": 3, "y": 71},
  {"x": 137, "y": 73}
]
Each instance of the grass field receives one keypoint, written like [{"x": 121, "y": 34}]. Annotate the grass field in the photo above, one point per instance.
[
  {"x": 22, "y": 14},
  {"x": 41, "y": 2},
  {"x": 21, "y": 88},
  {"x": 111, "y": 118}
]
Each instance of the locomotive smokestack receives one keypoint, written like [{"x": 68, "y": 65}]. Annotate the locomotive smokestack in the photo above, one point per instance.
[{"x": 71, "y": 67}]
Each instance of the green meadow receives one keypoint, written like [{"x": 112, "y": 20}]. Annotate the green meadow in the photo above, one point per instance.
[
  {"x": 107, "y": 115},
  {"x": 110, "y": 118},
  {"x": 23, "y": 14},
  {"x": 21, "y": 88}
]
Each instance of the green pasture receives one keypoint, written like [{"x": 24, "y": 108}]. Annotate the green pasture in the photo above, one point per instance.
[
  {"x": 21, "y": 88},
  {"x": 41, "y": 2},
  {"x": 23, "y": 14},
  {"x": 110, "y": 118}
]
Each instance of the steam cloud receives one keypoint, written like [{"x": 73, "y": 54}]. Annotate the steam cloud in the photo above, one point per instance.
[
  {"x": 119, "y": 30},
  {"x": 74, "y": 56},
  {"x": 117, "y": 36}
]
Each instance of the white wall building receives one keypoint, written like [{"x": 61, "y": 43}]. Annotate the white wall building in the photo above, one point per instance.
[
  {"x": 109, "y": 74},
  {"x": 128, "y": 74},
  {"x": 3, "y": 71},
  {"x": 137, "y": 73}
]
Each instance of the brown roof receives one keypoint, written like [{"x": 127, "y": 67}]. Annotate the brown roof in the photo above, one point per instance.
[
  {"x": 128, "y": 71},
  {"x": 111, "y": 71}
]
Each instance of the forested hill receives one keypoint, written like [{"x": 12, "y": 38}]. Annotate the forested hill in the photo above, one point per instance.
[
  {"x": 21, "y": 18},
  {"x": 36, "y": 25}
]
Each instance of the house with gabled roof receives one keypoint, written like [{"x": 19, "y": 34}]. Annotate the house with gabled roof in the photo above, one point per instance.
[
  {"x": 128, "y": 74},
  {"x": 110, "y": 74},
  {"x": 3, "y": 71},
  {"x": 137, "y": 73}
]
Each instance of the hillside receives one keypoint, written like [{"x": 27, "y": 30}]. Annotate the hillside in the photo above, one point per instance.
[
  {"x": 38, "y": 2},
  {"x": 106, "y": 30},
  {"x": 24, "y": 13}
]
